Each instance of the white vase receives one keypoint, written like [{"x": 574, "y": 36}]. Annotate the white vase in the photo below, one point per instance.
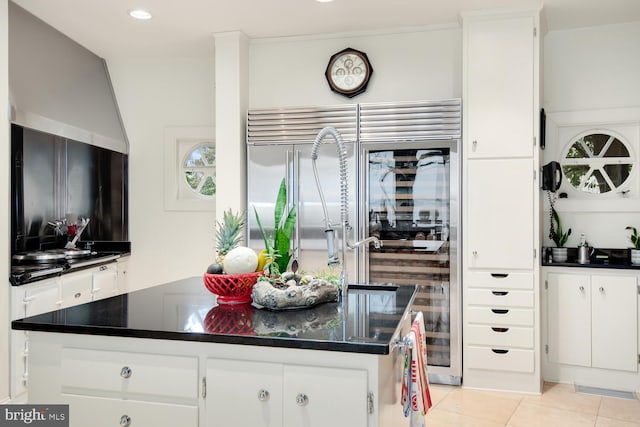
[
  {"x": 634, "y": 255},
  {"x": 559, "y": 254}
]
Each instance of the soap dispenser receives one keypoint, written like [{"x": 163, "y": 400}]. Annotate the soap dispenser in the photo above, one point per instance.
[{"x": 584, "y": 251}]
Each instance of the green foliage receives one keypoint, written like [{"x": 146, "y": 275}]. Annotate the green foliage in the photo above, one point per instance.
[
  {"x": 634, "y": 238},
  {"x": 278, "y": 242},
  {"x": 558, "y": 235}
]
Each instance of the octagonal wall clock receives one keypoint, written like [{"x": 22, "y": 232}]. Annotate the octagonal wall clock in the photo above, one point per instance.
[{"x": 348, "y": 72}]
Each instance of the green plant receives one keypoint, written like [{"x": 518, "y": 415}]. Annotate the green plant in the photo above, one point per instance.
[
  {"x": 634, "y": 238},
  {"x": 278, "y": 243},
  {"x": 228, "y": 233},
  {"x": 558, "y": 235}
]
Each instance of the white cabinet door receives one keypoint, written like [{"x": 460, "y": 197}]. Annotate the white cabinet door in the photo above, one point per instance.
[
  {"x": 324, "y": 397},
  {"x": 92, "y": 411},
  {"x": 243, "y": 393},
  {"x": 500, "y": 92},
  {"x": 500, "y": 214},
  {"x": 614, "y": 322},
  {"x": 105, "y": 281},
  {"x": 42, "y": 297},
  {"x": 569, "y": 319},
  {"x": 75, "y": 288}
]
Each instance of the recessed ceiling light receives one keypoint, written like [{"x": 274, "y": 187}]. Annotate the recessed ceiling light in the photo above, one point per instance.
[
  {"x": 324, "y": 1},
  {"x": 140, "y": 14}
]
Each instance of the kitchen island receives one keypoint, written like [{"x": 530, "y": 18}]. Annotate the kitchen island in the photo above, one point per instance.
[{"x": 169, "y": 355}]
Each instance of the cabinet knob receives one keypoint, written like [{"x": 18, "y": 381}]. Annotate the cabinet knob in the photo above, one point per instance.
[
  {"x": 77, "y": 295},
  {"x": 263, "y": 395},
  {"x": 125, "y": 372},
  {"x": 581, "y": 288},
  {"x": 601, "y": 289},
  {"x": 475, "y": 253},
  {"x": 125, "y": 420},
  {"x": 302, "y": 399}
]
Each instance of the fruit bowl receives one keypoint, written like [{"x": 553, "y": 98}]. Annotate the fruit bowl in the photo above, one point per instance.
[{"x": 231, "y": 288}]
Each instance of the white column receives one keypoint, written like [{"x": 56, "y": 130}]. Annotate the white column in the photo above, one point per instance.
[
  {"x": 232, "y": 93},
  {"x": 5, "y": 155}
]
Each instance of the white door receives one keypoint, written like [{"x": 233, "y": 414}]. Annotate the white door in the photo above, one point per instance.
[
  {"x": 42, "y": 298},
  {"x": 500, "y": 214},
  {"x": 500, "y": 95},
  {"x": 75, "y": 288},
  {"x": 325, "y": 397},
  {"x": 615, "y": 322},
  {"x": 241, "y": 393},
  {"x": 105, "y": 282},
  {"x": 569, "y": 319}
]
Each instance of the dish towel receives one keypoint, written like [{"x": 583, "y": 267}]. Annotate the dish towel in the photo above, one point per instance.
[{"x": 416, "y": 399}]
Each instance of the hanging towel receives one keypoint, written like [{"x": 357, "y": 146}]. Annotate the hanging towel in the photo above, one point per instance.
[{"x": 416, "y": 399}]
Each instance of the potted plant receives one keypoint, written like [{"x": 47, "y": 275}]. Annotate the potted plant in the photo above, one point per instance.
[
  {"x": 634, "y": 252},
  {"x": 559, "y": 237},
  {"x": 282, "y": 286}
]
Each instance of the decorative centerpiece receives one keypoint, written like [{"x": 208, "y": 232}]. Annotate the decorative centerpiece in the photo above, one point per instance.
[
  {"x": 282, "y": 287},
  {"x": 236, "y": 269}
]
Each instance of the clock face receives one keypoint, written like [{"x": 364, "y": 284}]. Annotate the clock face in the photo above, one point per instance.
[{"x": 348, "y": 72}]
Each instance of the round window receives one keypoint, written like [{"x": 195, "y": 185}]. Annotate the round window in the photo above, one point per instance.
[
  {"x": 597, "y": 162},
  {"x": 200, "y": 170}
]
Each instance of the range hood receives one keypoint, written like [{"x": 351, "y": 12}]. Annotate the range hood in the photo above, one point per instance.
[{"x": 59, "y": 87}]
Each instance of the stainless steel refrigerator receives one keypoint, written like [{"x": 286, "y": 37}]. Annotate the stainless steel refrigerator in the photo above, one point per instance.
[
  {"x": 404, "y": 186},
  {"x": 279, "y": 146}
]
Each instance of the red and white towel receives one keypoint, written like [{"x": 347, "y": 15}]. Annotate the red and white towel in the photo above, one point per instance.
[{"x": 416, "y": 399}]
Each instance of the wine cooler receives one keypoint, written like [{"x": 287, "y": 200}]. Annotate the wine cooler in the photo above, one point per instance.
[{"x": 410, "y": 200}]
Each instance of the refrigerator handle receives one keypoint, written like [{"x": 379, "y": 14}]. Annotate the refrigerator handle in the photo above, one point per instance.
[{"x": 294, "y": 199}]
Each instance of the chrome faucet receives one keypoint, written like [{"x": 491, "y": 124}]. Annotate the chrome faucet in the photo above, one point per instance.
[{"x": 344, "y": 208}]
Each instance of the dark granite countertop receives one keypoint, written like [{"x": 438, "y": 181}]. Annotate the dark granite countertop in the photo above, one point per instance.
[
  {"x": 184, "y": 310},
  {"x": 600, "y": 258}
]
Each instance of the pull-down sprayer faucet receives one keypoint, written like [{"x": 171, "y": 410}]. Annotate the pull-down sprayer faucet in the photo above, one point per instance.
[{"x": 344, "y": 207}]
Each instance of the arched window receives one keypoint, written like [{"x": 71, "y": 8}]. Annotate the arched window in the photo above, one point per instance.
[
  {"x": 597, "y": 162},
  {"x": 199, "y": 170}
]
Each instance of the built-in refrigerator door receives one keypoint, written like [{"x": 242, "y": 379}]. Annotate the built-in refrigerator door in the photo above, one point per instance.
[
  {"x": 312, "y": 245},
  {"x": 267, "y": 166},
  {"x": 410, "y": 202}
]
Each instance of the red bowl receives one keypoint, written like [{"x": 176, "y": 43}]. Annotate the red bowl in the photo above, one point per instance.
[{"x": 231, "y": 288}]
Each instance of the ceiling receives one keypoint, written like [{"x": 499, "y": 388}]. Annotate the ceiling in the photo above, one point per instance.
[{"x": 184, "y": 28}]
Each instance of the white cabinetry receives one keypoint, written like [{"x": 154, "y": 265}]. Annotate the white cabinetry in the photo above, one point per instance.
[
  {"x": 500, "y": 214},
  {"x": 500, "y": 198},
  {"x": 106, "y": 388},
  {"x": 592, "y": 320},
  {"x": 290, "y": 396},
  {"x": 500, "y": 81},
  {"x": 49, "y": 295}
]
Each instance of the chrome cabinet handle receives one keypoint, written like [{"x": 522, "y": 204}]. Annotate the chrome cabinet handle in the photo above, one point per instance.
[
  {"x": 125, "y": 421},
  {"x": 302, "y": 399},
  {"x": 581, "y": 288},
  {"x": 125, "y": 372},
  {"x": 601, "y": 290},
  {"x": 263, "y": 395},
  {"x": 475, "y": 253}
]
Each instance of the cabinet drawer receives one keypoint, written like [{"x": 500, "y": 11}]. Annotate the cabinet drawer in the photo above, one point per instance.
[
  {"x": 500, "y": 298},
  {"x": 101, "y": 412},
  {"x": 499, "y": 280},
  {"x": 495, "y": 336},
  {"x": 500, "y": 359},
  {"x": 500, "y": 316},
  {"x": 130, "y": 373}
]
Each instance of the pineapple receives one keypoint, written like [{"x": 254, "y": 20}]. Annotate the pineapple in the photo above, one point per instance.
[{"x": 228, "y": 234}]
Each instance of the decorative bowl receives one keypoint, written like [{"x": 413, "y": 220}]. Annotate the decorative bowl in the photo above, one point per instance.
[{"x": 231, "y": 288}]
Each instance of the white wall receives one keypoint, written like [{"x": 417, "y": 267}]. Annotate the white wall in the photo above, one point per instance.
[
  {"x": 4, "y": 195},
  {"x": 154, "y": 95},
  {"x": 408, "y": 65},
  {"x": 594, "y": 68}
]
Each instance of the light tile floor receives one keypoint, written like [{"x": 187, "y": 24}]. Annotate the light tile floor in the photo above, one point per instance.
[{"x": 558, "y": 406}]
